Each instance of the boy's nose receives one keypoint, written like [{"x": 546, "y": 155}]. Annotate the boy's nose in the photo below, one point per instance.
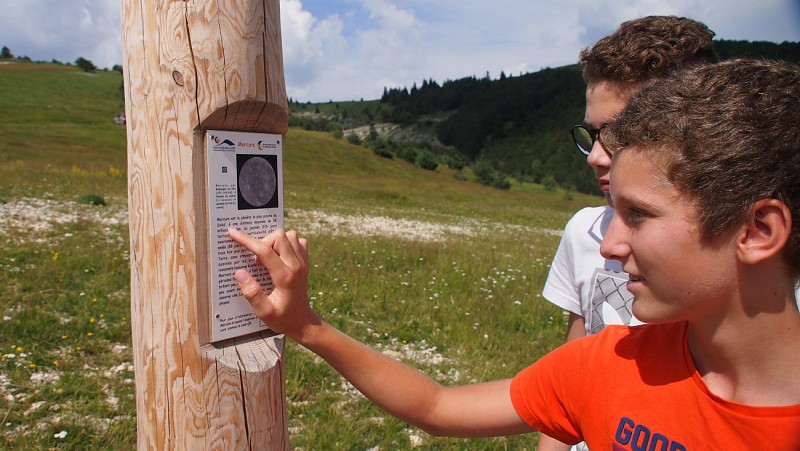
[
  {"x": 614, "y": 245},
  {"x": 598, "y": 157}
]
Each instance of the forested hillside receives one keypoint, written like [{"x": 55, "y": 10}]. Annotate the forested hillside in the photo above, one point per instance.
[{"x": 518, "y": 125}]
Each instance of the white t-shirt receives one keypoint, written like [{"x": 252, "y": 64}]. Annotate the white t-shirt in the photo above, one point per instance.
[{"x": 582, "y": 281}]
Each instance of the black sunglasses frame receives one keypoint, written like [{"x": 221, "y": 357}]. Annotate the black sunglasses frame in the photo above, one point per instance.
[{"x": 594, "y": 135}]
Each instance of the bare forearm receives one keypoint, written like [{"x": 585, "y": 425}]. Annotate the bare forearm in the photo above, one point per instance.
[
  {"x": 404, "y": 392},
  {"x": 575, "y": 327},
  {"x": 478, "y": 410}
]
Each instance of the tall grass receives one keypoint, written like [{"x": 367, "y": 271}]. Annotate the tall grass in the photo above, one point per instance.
[{"x": 461, "y": 304}]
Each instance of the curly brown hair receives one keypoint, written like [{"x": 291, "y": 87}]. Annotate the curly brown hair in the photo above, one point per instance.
[
  {"x": 647, "y": 48},
  {"x": 726, "y": 135}
]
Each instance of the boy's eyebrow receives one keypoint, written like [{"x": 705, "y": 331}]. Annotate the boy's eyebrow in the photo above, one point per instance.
[
  {"x": 634, "y": 201},
  {"x": 593, "y": 126}
]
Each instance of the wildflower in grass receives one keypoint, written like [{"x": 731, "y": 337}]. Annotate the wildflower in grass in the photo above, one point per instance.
[
  {"x": 89, "y": 334},
  {"x": 54, "y": 256},
  {"x": 31, "y": 365},
  {"x": 114, "y": 171},
  {"x": 91, "y": 320},
  {"x": 60, "y": 435},
  {"x": 18, "y": 349}
]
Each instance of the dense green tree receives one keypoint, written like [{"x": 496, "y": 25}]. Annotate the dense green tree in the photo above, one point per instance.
[
  {"x": 536, "y": 171},
  {"x": 488, "y": 175},
  {"x": 352, "y": 138},
  {"x": 85, "y": 65},
  {"x": 549, "y": 183},
  {"x": 427, "y": 160},
  {"x": 6, "y": 53}
]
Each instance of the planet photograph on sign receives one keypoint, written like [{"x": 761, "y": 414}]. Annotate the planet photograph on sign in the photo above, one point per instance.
[{"x": 258, "y": 181}]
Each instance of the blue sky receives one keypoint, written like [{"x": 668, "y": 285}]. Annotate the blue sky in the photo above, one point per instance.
[{"x": 352, "y": 49}]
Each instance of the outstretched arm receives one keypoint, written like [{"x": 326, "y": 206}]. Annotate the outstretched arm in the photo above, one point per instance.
[{"x": 477, "y": 410}]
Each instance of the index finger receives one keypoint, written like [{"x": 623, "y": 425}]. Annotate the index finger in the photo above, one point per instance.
[
  {"x": 274, "y": 250},
  {"x": 250, "y": 242}
]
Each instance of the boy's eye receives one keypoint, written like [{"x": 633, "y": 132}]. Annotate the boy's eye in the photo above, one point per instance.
[{"x": 633, "y": 216}]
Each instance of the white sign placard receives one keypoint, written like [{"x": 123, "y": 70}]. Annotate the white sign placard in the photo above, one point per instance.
[{"x": 245, "y": 192}]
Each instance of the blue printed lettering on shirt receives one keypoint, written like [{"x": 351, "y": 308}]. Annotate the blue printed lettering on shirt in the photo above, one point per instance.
[{"x": 638, "y": 437}]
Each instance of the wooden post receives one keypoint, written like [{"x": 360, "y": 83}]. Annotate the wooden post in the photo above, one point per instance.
[{"x": 191, "y": 66}]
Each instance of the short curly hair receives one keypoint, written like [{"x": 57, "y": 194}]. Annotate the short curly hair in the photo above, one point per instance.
[
  {"x": 647, "y": 48},
  {"x": 726, "y": 135}
]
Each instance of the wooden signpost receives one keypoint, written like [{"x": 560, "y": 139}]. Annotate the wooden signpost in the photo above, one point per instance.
[{"x": 191, "y": 67}]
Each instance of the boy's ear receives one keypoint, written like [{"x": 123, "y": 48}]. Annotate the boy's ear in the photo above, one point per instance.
[{"x": 766, "y": 231}]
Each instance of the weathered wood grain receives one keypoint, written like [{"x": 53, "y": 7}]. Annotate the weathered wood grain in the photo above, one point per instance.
[{"x": 191, "y": 65}]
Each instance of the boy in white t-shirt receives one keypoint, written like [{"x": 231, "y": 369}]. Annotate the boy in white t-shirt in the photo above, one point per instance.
[
  {"x": 588, "y": 286},
  {"x": 581, "y": 281}
]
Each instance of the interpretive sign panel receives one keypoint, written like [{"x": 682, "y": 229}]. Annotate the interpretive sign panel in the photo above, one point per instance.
[{"x": 244, "y": 177}]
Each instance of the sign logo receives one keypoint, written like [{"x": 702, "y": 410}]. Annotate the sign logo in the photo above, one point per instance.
[
  {"x": 262, "y": 145},
  {"x": 222, "y": 145}
]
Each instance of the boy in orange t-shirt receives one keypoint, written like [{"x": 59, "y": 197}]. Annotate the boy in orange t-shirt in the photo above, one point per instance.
[{"x": 707, "y": 225}]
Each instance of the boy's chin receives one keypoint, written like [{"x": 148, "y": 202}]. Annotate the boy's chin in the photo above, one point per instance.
[{"x": 651, "y": 311}]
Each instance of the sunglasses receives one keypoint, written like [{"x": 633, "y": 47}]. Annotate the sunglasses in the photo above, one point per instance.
[{"x": 585, "y": 138}]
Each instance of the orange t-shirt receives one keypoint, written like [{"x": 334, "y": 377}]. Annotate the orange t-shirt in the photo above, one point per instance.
[{"x": 636, "y": 388}]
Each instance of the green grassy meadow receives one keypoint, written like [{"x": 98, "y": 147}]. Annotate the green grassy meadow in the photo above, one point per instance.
[{"x": 441, "y": 273}]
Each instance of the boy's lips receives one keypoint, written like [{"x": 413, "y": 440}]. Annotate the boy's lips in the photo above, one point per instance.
[{"x": 634, "y": 281}]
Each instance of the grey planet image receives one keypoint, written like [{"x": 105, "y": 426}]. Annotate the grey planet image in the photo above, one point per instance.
[{"x": 257, "y": 181}]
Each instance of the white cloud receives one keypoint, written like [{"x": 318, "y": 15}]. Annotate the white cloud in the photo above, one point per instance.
[
  {"x": 308, "y": 43},
  {"x": 351, "y": 49},
  {"x": 64, "y": 30}
]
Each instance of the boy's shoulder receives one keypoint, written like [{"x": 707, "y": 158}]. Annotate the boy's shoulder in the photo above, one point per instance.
[
  {"x": 638, "y": 342},
  {"x": 635, "y": 333}
]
